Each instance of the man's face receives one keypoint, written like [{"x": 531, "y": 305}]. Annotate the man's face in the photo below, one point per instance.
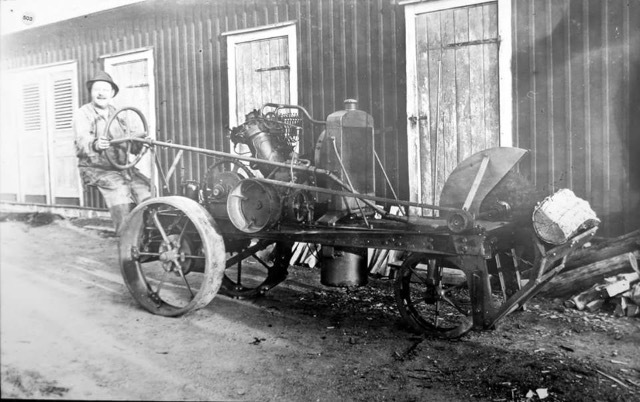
[{"x": 101, "y": 94}]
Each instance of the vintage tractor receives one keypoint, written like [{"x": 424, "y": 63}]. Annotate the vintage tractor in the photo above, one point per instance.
[{"x": 178, "y": 251}]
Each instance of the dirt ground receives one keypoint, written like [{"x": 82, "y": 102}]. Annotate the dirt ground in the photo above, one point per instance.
[{"x": 71, "y": 330}]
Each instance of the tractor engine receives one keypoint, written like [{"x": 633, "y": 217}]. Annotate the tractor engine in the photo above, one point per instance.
[
  {"x": 345, "y": 148},
  {"x": 267, "y": 139}
]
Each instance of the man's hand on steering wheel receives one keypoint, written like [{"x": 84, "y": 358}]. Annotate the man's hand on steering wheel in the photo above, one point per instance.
[
  {"x": 101, "y": 143},
  {"x": 127, "y": 143}
]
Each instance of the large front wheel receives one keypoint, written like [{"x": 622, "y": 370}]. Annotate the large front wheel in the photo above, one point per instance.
[{"x": 172, "y": 255}]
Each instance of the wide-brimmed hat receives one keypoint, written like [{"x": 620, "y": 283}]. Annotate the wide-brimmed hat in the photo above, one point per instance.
[{"x": 102, "y": 76}]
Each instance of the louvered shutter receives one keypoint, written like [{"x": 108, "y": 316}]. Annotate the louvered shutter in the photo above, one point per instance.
[
  {"x": 65, "y": 181},
  {"x": 63, "y": 104},
  {"x": 32, "y": 107},
  {"x": 33, "y": 142}
]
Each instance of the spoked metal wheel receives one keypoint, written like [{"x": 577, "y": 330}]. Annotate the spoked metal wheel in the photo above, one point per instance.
[
  {"x": 257, "y": 269},
  {"x": 429, "y": 305},
  {"x": 223, "y": 176},
  {"x": 172, "y": 256}
]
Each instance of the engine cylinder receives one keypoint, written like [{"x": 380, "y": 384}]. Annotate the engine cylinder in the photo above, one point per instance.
[{"x": 262, "y": 146}]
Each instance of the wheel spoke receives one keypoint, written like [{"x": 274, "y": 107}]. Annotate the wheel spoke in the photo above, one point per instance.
[
  {"x": 144, "y": 253},
  {"x": 182, "y": 275},
  {"x": 435, "y": 314},
  {"x": 158, "y": 224},
  {"x": 161, "y": 282},
  {"x": 456, "y": 305},
  {"x": 182, "y": 231},
  {"x": 414, "y": 271},
  {"x": 239, "y": 275}
]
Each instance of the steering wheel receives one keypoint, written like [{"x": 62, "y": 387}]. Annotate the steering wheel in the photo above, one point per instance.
[{"x": 128, "y": 140}]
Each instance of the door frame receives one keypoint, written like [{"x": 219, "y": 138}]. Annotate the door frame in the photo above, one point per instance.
[
  {"x": 131, "y": 55},
  {"x": 287, "y": 29},
  {"x": 505, "y": 90}
]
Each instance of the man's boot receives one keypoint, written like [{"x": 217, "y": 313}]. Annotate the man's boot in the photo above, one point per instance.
[{"x": 118, "y": 214}]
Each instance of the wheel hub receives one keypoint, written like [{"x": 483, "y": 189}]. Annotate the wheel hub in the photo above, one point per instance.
[
  {"x": 433, "y": 294},
  {"x": 171, "y": 252}
]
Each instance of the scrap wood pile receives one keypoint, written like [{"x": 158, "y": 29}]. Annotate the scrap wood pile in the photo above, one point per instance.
[
  {"x": 380, "y": 262},
  {"x": 604, "y": 276}
]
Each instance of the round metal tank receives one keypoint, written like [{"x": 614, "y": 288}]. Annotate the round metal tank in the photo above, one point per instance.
[{"x": 342, "y": 267}]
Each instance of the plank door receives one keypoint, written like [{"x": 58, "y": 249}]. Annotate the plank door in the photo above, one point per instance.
[
  {"x": 133, "y": 73},
  {"x": 456, "y": 86},
  {"x": 262, "y": 68}
]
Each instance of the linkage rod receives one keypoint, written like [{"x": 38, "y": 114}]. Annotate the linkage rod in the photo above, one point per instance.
[{"x": 303, "y": 168}]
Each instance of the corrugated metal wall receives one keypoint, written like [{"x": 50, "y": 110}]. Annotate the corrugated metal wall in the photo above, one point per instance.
[
  {"x": 346, "y": 49},
  {"x": 577, "y": 101}
]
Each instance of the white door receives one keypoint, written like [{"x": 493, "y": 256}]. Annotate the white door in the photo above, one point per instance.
[
  {"x": 62, "y": 100},
  {"x": 39, "y": 163},
  {"x": 458, "y": 89},
  {"x": 32, "y": 139},
  {"x": 9, "y": 139},
  {"x": 134, "y": 74},
  {"x": 262, "y": 67}
]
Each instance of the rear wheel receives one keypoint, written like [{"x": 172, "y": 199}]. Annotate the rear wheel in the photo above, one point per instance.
[
  {"x": 172, "y": 256},
  {"x": 428, "y": 304},
  {"x": 264, "y": 266}
]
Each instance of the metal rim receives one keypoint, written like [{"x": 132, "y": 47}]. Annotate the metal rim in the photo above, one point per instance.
[
  {"x": 428, "y": 305},
  {"x": 172, "y": 256}
]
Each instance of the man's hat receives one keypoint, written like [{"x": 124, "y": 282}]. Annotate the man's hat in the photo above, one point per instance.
[{"x": 102, "y": 76}]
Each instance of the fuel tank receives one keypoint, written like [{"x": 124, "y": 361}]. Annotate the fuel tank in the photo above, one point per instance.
[{"x": 349, "y": 132}]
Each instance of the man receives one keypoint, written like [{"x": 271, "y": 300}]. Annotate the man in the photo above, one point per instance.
[{"x": 121, "y": 189}]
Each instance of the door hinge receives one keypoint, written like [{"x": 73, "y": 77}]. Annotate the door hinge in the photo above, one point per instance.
[{"x": 274, "y": 68}]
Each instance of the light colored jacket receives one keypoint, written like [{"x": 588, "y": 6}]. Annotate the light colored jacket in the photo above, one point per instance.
[{"x": 88, "y": 125}]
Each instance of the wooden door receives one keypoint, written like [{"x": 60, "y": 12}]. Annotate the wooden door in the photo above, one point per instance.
[
  {"x": 61, "y": 102},
  {"x": 32, "y": 132},
  {"x": 262, "y": 68},
  {"x": 39, "y": 164},
  {"x": 10, "y": 117},
  {"x": 457, "y": 103}
]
